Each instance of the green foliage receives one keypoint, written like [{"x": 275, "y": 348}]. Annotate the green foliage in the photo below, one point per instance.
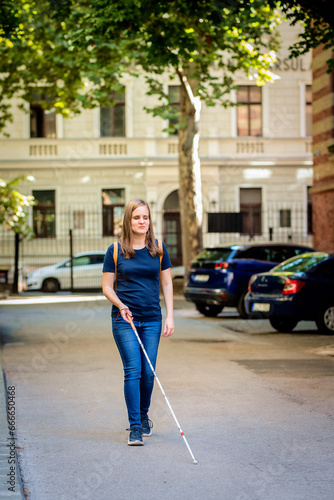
[
  {"x": 37, "y": 56},
  {"x": 317, "y": 21},
  {"x": 8, "y": 16},
  {"x": 204, "y": 41},
  {"x": 76, "y": 52},
  {"x": 13, "y": 205}
]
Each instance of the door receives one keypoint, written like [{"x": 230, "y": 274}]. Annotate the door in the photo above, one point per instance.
[
  {"x": 172, "y": 237},
  {"x": 251, "y": 208}
]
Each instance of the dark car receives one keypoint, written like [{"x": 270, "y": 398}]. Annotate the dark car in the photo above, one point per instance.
[
  {"x": 219, "y": 276},
  {"x": 302, "y": 288}
]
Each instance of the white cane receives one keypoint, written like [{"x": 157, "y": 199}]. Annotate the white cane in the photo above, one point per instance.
[{"x": 163, "y": 392}]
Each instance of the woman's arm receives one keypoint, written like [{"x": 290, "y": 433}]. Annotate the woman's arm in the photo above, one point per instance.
[
  {"x": 167, "y": 290},
  {"x": 109, "y": 292}
]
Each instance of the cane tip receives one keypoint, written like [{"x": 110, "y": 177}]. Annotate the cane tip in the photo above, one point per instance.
[{"x": 195, "y": 462}]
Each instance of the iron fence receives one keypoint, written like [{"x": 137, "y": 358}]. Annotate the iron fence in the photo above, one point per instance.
[{"x": 76, "y": 231}]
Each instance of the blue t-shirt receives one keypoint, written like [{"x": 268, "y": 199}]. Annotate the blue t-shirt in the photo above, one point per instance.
[{"x": 138, "y": 281}]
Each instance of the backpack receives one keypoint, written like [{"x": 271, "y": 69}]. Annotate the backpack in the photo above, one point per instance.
[{"x": 115, "y": 257}]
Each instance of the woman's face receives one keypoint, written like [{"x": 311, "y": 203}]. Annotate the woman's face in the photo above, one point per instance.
[{"x": 140, "y": 220}]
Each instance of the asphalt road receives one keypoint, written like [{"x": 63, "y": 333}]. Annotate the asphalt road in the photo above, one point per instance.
[{"x": 256, "y": 408}]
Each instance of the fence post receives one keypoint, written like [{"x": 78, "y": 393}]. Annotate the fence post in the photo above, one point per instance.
[
  {"x": 16, "y": 264},
  {"x": 71, "y": 257}
]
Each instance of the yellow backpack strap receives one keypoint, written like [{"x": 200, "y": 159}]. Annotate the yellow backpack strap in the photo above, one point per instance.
[
  {"x": 115, "y": 256},
  {"x": 161, "y": 248}
]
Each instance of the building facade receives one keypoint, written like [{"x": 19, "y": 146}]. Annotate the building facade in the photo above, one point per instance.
[
  {"x": 323, "y": 151},
  {"x": 256, "y": 164}
]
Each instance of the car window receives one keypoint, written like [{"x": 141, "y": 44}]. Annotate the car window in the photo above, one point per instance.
[
  {"x": 97, "y": 259},
  {"x": 83, "y": 260},
  {"x": 298, "y": 251},
  {"x": 301, "y": 264},
  {"x": 326, "y": 269},
  {"x": 277, "y": 254},
  {"x": 67, "y": 263},
  {"x": 213, "y": 255},
  {"x": 250, "y": 253}
]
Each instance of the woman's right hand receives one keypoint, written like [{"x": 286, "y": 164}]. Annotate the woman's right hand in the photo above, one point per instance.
[{"x": 125, "y": 312}]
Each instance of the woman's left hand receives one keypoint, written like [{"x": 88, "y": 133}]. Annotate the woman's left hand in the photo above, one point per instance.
[{"x": 169, "y": 327}]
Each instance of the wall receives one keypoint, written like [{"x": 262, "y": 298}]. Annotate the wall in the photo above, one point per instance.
[{"x": 323, "y": 144}]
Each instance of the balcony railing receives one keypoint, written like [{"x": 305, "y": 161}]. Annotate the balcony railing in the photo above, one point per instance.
[{"x": 261, "y": 149}]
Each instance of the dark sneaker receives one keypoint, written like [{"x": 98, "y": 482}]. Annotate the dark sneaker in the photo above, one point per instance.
[
  {"x": 135, "y": 437},
  {"x": 146, "y": 425}
]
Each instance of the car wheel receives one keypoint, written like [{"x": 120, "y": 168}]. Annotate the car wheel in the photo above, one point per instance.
[
  {"x": 208, "y": 310},
  {"x": 241, "y": 306},
  {"x": 50, "y": 285},
  {"x": 325, "y": 321},
  {"x": 284, "y": 325}
]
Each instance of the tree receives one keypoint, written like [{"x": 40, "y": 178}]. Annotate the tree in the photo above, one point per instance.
[
  {"x": 317, "y": 19},
  {"x": 316, "y": 9},
  {"x": 80, "y": 58},
  {"x": 40, "y": 64},
  {"x": 201, "y": 44},
  {"x": 13, "y": 205}
]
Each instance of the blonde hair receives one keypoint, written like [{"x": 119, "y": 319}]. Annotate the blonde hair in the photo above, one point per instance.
[{"x": 126, "y": 240}]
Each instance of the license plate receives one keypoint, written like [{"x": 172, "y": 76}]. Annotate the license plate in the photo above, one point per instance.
[
  {"x": 201, "y": 277},
  {"x": 261, "y": 307}
]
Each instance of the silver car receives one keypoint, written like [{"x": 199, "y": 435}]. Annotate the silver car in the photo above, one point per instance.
[{"x": 87, "y": 273}]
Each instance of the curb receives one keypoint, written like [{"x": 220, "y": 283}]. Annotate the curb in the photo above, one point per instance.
[{"x": 11, "y": 486}]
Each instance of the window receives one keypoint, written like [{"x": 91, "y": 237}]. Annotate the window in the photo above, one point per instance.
[
  {"x": 327, "y": 269},
  {"x": 275, "y": 254},
  {"x": 83, "y": 260},
  {"x": 250, "y": 208},
  {"x": 112, "y": 211},
  {"x": 308, "y": 112},
  {"x": 175, "y": 100},
  {"x": 44, "y": 214},
  {"x": 98, "y": 259},
  {"x": 42, "y": 121},
  {"x": 249, "y": 111},
  {"x": 211, "y": 256},
  {"x": 251, "y": 253},
  {"x": 301, "y": 264},
  {"x": 285, "y": 217},
  {"x": 112, "y": 118}
]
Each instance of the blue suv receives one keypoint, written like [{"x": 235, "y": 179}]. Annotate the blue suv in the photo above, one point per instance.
[{"x": 219, "y": 276}]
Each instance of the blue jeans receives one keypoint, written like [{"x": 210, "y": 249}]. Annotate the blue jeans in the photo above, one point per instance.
[{"x": 138, "y": 376}]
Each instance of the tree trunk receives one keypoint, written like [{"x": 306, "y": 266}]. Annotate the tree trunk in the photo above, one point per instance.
[{"x": 190, "y": 190}]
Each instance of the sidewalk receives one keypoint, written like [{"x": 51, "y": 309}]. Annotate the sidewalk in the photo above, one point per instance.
[
  {"x": 8, "y": 469},
  {"x": 245, "y": 397}
]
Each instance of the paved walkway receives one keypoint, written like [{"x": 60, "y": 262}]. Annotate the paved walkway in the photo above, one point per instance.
[
  {"x": 8, "y": 471},
  {"x": 256, "y": 407}
]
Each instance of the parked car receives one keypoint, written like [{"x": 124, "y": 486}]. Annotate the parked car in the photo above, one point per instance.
[
  {"x": 302, "y": 288},
  {"x": 87, "y": 273},
  {"x": 219, "y": 276}
]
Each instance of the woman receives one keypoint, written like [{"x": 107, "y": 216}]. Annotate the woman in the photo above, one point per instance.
[{"x": 137, "y": 297}]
